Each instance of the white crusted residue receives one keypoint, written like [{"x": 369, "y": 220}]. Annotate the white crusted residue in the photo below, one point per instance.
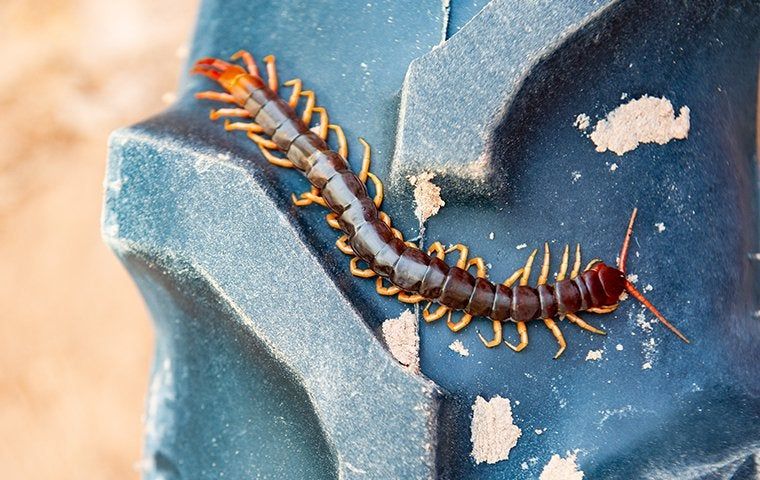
[
  {"x": 560, "y": 468},
  {"x": 649, "y": 349},
  {"x": 521, "y": 246},
  {"x": 492, "y": 432},
  {"x": 632, "y": 277},
  {"x": 458, "y": 346},
  {"x": 594, "y": 355},
  {"x": 582, "y": 122},
  {"x": 427, "y": 196},
  {"x": 576, "y": 175},
  {"x": 660, "y": 227},
  {"x": 644, "y": 120},
  {"x": 403, "y": 340}
]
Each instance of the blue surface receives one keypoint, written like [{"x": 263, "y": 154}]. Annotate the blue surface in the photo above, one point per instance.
[
  {"x": 693, "y": 413},
  {"x": 625, "y": 421}
]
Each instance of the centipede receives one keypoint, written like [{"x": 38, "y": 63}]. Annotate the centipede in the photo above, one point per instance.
[{"x": 282, "y": 129}]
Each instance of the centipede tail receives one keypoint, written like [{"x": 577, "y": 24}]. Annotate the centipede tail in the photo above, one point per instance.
[{"x": 415, "y": 275}]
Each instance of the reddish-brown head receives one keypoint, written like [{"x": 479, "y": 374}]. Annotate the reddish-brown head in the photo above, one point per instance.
[
  {"x": 233, "y": 78},
  {"x": 612, "y": 280}
]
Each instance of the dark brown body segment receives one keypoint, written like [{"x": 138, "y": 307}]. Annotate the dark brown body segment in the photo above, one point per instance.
[{"x": 409, "y": 268}]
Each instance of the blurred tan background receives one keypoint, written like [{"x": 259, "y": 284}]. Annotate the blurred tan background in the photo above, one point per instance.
[{"x": 75, "y": 339}]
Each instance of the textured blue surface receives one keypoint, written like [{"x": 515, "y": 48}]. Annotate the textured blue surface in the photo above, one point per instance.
[{"x": 198, "y": 231}]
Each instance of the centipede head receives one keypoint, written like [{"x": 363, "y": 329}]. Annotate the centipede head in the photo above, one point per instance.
[
  {"x": 629, "y": 287},
  {"x": 228, "y": 75}
]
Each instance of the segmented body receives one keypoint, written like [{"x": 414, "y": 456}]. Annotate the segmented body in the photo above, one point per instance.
[{"x": 412, "y": 270}]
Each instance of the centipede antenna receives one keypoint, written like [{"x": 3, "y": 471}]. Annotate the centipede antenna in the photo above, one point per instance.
[
  {"x": 626, "y": 242},
  {"x": 641, "y": 298}
]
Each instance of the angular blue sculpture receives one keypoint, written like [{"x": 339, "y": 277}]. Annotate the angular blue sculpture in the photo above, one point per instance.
[{"x": 268, "y": 363}]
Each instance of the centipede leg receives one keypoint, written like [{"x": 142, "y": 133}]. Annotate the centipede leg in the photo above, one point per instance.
[
  {"x": 265, "y": 146},
  {"x": 342, "y": 143},
  {"x": 522, "y": 330},
  {"x": 579, "y": 321},
  {"x": 383, "y": 290},
  {"x": 563, "y": 267},
  {"x": 528, "y": 267},
  {"x": 464, "y": 252},
  {"x": 343, "y": 246},
  {"x": 498, "y": 335},
  {"x": 216, "y": 96},
  {"x": 332, "y": 217},
  {"x": 244, "y": 126},
  {"x": 607, "y": 309},
  {"x": 250, "y": 63},
  {"x": 577, "y": 264},
  {"x": 360, "y": 272},
  {"x": 591, "y": 264},
  {"x": 545, "y": 266},
  {"x": 229, "y": 112},
  {"x": 270, "y": 62},
  {"x": 295, "y": 95},
  {"x": 439, "y": 312},
  {"x": 324, "y": 122},
  {"x": 462, "y": 323},
  {"x": 552, "y": 325},
  {"x": 311, "y": 102}
]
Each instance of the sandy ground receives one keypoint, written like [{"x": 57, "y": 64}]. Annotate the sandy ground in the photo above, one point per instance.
[{"x": 75, "y": 339}]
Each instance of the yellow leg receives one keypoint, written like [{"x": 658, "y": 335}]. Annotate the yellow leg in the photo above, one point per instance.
[
  {"x": 528, "y": 266},
  {"x": 360, "y": 272},
  {"x": 271, "y": 72},
  {"x": 383, "y": 290},
  {"x": 436, "y": 249},
  {"x": 462, "y": 323},
  {"x": 577, "y": 265},
  {"x": 563, "y": 266},
  {"x": 264, "y": 146},
  {"x": 229, "y": 112},
  {"x": 366, "y": 158},
  {"x": 545, "y": 267},
  {"x": 522, "y": 330},
  {"x": 342, "y": 143},
  {"x": 579, "y": 321},
  {"x": 609, "y": 309},
  {"x": 262, "y": 142},
  {"x": 295, "y": 95},
  {"x": 324, "y": 122},
  {"x": 250, "y": 64},
  {"x": 384, "y": 217},
  {"x": 308, "y": 110},
  {"x": 552, "y": 325},
  {"x": 343, "y": 246},
  {"x": 331, "y": 218},
  {"x": 404, "y": 297},
  {"x": 464, "y": 251},
  {"x": 305, "y": 199},
  {"x": 497, "y": 335},
  {"x": 379, "y": 189},
  {"x": 439, "y": 312},
  {"x": 244, "y": 126},
  {"x": 513, "y": 278},
  {"x": 591, "y": 264},
  {"x": 480, "y": 266},
  {"x": 215, "y": 96}
]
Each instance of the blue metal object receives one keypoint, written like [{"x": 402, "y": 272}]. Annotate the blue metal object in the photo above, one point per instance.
[{"x": 265, "y": 366}]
